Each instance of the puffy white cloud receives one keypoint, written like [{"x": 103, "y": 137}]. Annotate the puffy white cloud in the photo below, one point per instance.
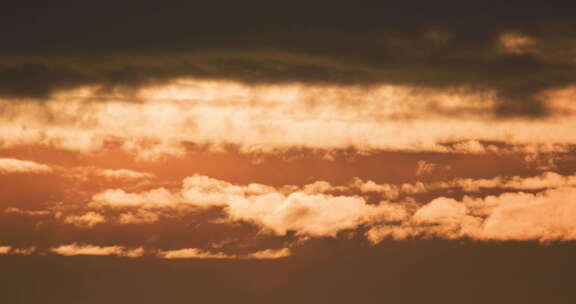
[
  {"x": 546, "y": 216},
  {"x": 315, "y": 215},
  {"x": 270, "y": 208},
  {"x": 308, "y": 211},
  {"x": 440, "y": 210}
]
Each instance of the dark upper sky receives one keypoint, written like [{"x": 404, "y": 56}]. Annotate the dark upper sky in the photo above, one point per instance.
[
  {"x": 447, "y": 44},
  {"x": 102, "y": 26}
]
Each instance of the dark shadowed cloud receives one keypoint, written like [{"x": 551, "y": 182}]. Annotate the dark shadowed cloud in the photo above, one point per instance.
[{"x": 440, "y": 45}]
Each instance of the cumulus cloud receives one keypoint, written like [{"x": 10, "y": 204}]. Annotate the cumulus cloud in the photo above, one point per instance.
[
  {"x": 274, "y": 211},
  {"x": 440, "y": 210},
  {"x": 318, "y": 209},
  {"x": 315, "y": 215},
  {"x": 312, "y": 211},
  {"x": 11, "y": 166},
  {"x": 545, "y": 216}
]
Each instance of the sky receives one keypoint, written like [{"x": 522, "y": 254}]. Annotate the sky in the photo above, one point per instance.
[{"x": 282, "y": 152}]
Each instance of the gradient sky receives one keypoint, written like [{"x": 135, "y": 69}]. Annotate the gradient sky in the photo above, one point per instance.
[{"x": 287, "y": 152}]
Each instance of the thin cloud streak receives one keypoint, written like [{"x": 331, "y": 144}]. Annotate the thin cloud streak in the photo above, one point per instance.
[{"x": 17, "y": 166}]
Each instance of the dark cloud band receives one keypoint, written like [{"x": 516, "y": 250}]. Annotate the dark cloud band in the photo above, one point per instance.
[{"x": 440, "y": 45}]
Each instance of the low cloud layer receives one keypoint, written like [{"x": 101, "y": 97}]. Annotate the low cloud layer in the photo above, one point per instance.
[
  {"x": 504, "y": 217},
  {"x": 128, "y": 213},
  {"x": 320, "y": 209}
]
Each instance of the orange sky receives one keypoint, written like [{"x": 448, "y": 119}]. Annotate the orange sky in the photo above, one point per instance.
[
  {"x": 286, "y": 152},
  {"x": 280, "y": 165}
]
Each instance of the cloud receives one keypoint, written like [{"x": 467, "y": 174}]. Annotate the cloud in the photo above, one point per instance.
[
  {"x": 275, "y": 117},
  {"x": 546, "y": 180},
  {"x": 341, "y": 81},
  {"x": 546, "y": 216},
  {"x": 23, "y": 251},
  {"x": 542, "y": 181},
  {"x": 15, "y": 210},
  {"x": 270, "y": 254},
  {"x": 440, "y": 210},
  {"x": 310, "y": 211},
  {"x": 319, "y": 209},
  {"x": 88, "y": 173},
  {"x": 87, "y": 220},
  {"x": 156, "y": 198},
  {"x": 17, "y": 251},
  {"x": 124, "y": 174},
  {"x": 195, "y": 253},
  {"x": 5, "y": 249},
  {"x": 315, "y": 215},
  {"x": 274, "y": 211},
  {"x": 192, "y": 253},
  {"x": 16, "y": 166},
  {"x": 329, "y": 45},
  {"x": 186, "y": 253},
  {"x": 138, "y": 217},
  {"x": 75, "y": 249},
  {"x": 517, "y": 43}
]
